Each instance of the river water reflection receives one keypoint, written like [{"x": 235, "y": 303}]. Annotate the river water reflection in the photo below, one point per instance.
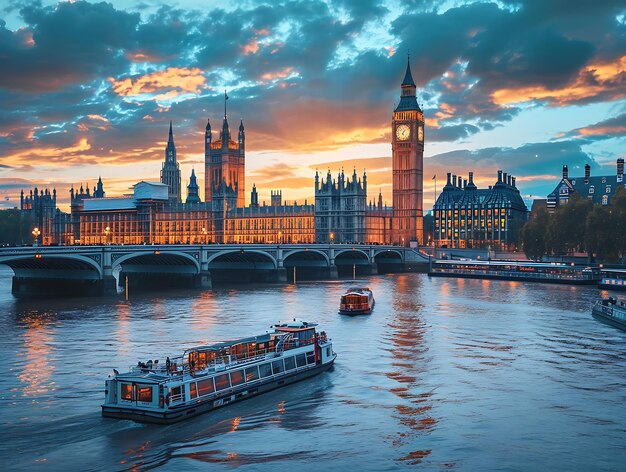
[{"x": 445, "y": 374}]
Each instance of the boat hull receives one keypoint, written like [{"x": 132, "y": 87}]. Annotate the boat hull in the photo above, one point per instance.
[
  {"x": 362, "y": 311},
  {"x": 611, "y": 287},
  {"x": 516, "y": 279},
  {"x": 173, "y": 415},
  {"x": 605, "y": 316}
]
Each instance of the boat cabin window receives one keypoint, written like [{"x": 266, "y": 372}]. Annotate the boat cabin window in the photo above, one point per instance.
[
  {"x": 205, "y": 387},
  {"x": 301, "y": 360},
  {"x": 290, "y": 363},
  {"x": 277, "y": 367},
  {"x": 252, "y": 373},
  {"x": 222, "y": 382},
  {"x": 144, "y": 394},
  {"x": 236, "y": 377},
  {"x": 193, "y": 391},
  {"x": 266, "y": 370},
  {"x": 127, "y": 392},
  {"x": 310, "y": 358}
]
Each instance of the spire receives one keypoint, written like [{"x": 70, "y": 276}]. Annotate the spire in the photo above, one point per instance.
[
  {"x": 225, "y": 99},
  {"x": 208, "y": 125},
  {"x": 408, "y": 100},
  {"x": 192, "y": 189},
  {"x": 408, "y": 77},
  {"x": 170, "y": 149},
  {"x": 225, "y": 132}
]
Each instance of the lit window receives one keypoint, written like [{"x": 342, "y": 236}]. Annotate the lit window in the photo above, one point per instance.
[
  {"x": 144, "y": 394},
  {"x": 127, "y": 392},
  {"x": 605, "y": 200}
]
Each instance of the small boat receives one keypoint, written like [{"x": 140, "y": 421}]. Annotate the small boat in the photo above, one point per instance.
[
  {"x": 611, "y": 310},
  {"x": 357, "y": 301},
  {"x": 208, "y": 377}
]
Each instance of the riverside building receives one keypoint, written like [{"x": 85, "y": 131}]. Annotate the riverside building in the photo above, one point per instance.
[
  {"x": 154, "y": 212},
  {"x": 468, "y": 217}
]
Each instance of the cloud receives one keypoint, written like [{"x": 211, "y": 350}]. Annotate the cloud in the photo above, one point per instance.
[
  {"x": 594, "y": 82},
  {"x": 306, "y": 77},
  {"x": 606, "y": 129},
  {"x": 64, "y": 44},
  {"x": 169, "y": 83}
]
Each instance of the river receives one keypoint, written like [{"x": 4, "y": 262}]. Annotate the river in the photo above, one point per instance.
[{"x": 446, "y": 374}]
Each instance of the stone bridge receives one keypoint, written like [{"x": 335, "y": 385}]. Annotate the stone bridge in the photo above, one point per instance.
[{"x": 103, "y": 268}]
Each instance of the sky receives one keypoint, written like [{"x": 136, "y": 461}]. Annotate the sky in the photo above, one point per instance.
[{"x": 88, "y": 89}]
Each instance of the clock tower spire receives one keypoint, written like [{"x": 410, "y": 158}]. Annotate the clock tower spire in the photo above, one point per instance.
[{"x": 407, "y": 147}]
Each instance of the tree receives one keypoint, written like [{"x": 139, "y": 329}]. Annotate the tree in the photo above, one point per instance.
[
  {"x": 15, "y": 228},
  {"x": 533, "y": 235},
  {"x": 618, "y": 210}
]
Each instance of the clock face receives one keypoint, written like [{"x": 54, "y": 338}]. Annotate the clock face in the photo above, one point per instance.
[
  {"x": 420, "y": 133},
  {"x": 403, "y": 132}
]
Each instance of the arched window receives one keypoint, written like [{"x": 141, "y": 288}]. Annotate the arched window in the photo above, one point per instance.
[{"x": 605, "y": 200}]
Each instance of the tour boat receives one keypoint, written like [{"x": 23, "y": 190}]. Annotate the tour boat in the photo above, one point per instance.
[
  {"x": 357, "y": 301},
  {"x": 611, "y": 310},
  {"x": 207, "y": 377},
  {"x": 557, "y": 273}
]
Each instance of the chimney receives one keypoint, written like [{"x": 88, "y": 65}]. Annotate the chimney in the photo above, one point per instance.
[
  {"x": 587, "y": 173},
  {"x": 509, "y": 179},
  {"x": 565, "y": 172},
  {"x": 449, "y": 175},
  {"x": 464, "y": 183},
  {"x": 499, "y": 176},
  {"x": 504, "y": 177},
  {"x": 513, "y": 182},
  {"x": 460, "y": 182},
  {"x": 620, "y": 169},
  {"x": 471, "y": 177}
]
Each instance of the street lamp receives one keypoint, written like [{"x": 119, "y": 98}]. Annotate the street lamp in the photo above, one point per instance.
[
  {"x": 204, "y": 232},
  {"x": 280, "y": 237},
  {"x": 107, "y": 231},
  {"x": 36, "y": 234},
  {"x": 332, "y": 237},
  {"x": 402, "y": 242}
]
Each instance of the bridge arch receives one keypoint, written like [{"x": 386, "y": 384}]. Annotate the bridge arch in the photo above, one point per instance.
[
  {"x": 72, "y": 266},
  {"x": 158, "y": 262},
  {"x": 388, "y": 260},
  {"x": 306, "y": 264},
  {"x": 245, "y": 259},
  {"x": 306, "y": 257},
  {"x": 351, "y": 256}
]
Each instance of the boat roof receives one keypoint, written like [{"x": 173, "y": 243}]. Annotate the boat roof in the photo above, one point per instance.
[
  {"x": 618, "y": 271},
  {"x": 507, "y": 263},
  {"x": 295, "y": 324},
  {"x": 224, "y": 344}
]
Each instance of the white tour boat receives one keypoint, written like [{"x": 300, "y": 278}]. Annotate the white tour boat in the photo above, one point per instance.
[{"x": 208, "y": 377}]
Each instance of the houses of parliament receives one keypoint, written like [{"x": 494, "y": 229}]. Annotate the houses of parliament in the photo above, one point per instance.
[{"x": 155, "y": 212}]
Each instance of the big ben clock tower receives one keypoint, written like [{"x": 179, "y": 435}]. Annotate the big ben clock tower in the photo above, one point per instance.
[{"x": 407, "y": 146}]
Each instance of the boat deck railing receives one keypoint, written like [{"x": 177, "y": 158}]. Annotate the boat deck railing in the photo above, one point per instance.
[{"x": 179, "y": 367}]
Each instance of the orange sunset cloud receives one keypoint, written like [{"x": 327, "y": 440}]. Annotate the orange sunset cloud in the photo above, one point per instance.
[
  {"x": 172, "y": 81},
  {"x": 590, "y": 82}
]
